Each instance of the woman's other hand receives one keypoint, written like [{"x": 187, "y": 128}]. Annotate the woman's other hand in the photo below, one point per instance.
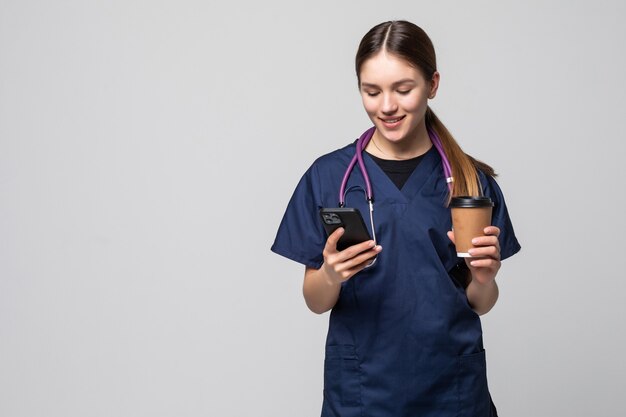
[
  {"x": 485, "y": 261},
  {"x": 482, "y": 292}
]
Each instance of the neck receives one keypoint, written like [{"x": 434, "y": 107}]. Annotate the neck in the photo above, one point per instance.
[{"x": 410, "y": 147}]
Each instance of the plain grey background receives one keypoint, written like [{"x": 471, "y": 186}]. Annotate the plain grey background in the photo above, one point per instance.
[{"x": 148, "y": 150}]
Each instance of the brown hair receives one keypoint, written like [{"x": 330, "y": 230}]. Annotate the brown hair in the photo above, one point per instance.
[{"x": 409, "y": 42}]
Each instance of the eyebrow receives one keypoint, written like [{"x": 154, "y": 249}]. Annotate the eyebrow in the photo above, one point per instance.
[{"x": 397, "y": 83}]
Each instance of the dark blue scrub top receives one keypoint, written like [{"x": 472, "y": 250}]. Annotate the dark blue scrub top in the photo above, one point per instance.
[{"x": 402, "y": 338}]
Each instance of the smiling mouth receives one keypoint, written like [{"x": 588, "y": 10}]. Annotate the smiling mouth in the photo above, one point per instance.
[{"x": 392, "y": 121}]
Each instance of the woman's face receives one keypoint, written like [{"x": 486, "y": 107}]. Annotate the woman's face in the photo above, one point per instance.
[{"x": 395, "y": 96}]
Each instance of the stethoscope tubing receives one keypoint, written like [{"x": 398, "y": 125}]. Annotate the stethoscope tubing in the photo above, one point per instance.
[
  {"x": 358, "y": 158},
  {"x": 447, "y": 170}
]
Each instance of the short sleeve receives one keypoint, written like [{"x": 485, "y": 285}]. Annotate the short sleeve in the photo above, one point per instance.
[
  {"x": 509, "y": 245},
  {"x": 301, "y": 236}
]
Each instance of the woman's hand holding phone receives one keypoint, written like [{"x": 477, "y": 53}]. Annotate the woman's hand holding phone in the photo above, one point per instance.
[
  {"x": 356, "y": 251},
  {"x": 340, "y": 266}
]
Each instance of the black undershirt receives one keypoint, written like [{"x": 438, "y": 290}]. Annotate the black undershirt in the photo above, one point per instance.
[{"x": 398, "y": 171}]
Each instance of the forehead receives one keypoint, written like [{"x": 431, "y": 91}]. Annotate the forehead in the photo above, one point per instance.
[{"x": 385, "y": 68}]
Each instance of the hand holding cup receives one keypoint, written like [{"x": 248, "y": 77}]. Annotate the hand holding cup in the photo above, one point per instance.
[{"x": 474, "y": 237}]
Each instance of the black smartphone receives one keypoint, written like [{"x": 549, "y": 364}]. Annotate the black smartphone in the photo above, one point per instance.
[{"x": 352, "y": 222}]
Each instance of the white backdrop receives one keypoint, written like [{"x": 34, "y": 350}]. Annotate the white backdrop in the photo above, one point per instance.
[{"x": 148, "y": 150}]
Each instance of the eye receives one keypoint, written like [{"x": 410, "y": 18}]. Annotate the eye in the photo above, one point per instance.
[
  {"x": 404, "y": 92},
  {"x": 371, "y": 94}
]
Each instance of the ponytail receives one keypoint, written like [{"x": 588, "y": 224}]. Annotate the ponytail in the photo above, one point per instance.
[{"x": 464, "y": 167}]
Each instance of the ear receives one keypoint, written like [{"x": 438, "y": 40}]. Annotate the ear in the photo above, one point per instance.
[{"x": 434, "y": 85}]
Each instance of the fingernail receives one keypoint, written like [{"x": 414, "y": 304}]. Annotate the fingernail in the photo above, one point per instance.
[
  {"x": 473, "y": 263},
  {"x": 471, "y": 251},
  {"x": 475, "y": 241},
  {"x": 378, "y": 248}
]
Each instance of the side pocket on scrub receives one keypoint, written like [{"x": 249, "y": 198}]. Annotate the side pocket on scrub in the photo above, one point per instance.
[
  {"x": 342, "y": 376},
  {"x": 473, "y": 390}
]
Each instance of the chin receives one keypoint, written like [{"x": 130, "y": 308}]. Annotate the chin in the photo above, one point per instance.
[{"x": 393, "y": 135}]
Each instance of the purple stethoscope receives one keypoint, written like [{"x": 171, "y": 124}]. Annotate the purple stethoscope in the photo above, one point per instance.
[{"x": 369, "y": 195}]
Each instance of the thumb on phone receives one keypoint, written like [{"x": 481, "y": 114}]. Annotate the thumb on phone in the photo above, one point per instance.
[{"x": 333, "y": 238}]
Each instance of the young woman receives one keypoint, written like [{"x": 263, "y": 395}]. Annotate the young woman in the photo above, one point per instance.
[{"x": 404, "y": 335}]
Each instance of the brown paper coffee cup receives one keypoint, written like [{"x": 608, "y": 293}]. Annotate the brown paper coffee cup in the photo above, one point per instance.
[{"x": 470, "y": 216}]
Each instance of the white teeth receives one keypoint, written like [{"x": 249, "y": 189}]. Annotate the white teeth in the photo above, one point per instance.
[{"x": 392, "y": 121}]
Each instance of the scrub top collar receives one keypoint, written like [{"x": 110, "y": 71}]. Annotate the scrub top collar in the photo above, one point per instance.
[{"x": 384, "y": 186}]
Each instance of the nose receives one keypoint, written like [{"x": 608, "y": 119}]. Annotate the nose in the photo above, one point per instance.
[{"x": 389, "y": 105}]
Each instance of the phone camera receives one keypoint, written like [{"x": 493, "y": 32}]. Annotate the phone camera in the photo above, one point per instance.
[{"x": 331, "y": 218}]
